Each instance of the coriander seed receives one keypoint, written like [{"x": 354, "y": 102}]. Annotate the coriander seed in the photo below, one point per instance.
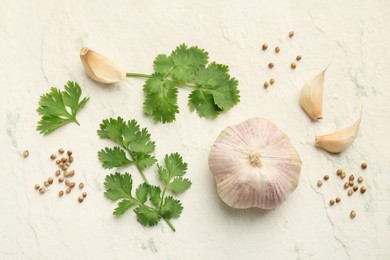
[
  {"x": 63, "y": 160},
  {"x": 338, "y": 199},
  {"x": 67, "y": 182},
  {"x": 64, "y": 167},
  {"x": 71, "y": 159},
  {"x": 60, "y": 193},
  {"x": 71, "y": 173},
  {"x": 319, "y": 184},
  {"x": 272, "y": 81},
  {"x": 58, "y": 173},
  {"x": 355, "y": 187},
  {"x": 270, "y": 65},
  {"x": 81, "y": 198},
  {"x": 26, "y": 153},
  {"x": 67, "y": 190},
  {"x": 360, "y": 179},
  {"x": 350, "y": 192},
  {"x": 277, "y": 49},
  {"x": 53, "y": 156},
  {"x": 84, "y": 194},
  {"x": 265, "y": 85},
  {"x": 351, "y": 177},
  {"x": 363, "y": 189},
  {"x": 50, "y": 180},
  {"x": 67, "y": 164},
  {"x": 339, "y": 172},
  {"x": 293, "y": 65},
  {"x": 71, "y": 185},
  {"x": 61, "y": 179},
  {"x": 81, "y": 185},
  {"x": 37, "y": 186},
  {"x": 298, "y": 58},
  {"x": 291, "y": 34},
  {"x": 46, "y": 183},
  {"x": 61, "y": 150},
  {"x": 265, "y": 46},
  {"x": 351, "y": 183},
  {"x": 326, "y": 177},
  {"x": 346, "y": 185},
  {"x": 331, "y": 202},
  {"x": 342, "y": 175},
  {"x": 69, "y": 152},
  {"x": 364, "y": 166},
  {"x": 58, "y": 161},
  {"x": 352, "y": 214},
  {"x": 61, "y": 164},
  {"x": 42, "y": 190}
]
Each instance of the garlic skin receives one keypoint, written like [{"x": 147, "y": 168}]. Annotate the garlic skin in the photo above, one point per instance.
[
  {"x": 100, "y": 68},
  {"x": 340, "y": 140},
  {"x": 254, "y": 165},
  {"x": 311, "y": 96}
]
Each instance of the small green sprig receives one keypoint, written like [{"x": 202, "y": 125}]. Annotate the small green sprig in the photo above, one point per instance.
[
  {"x": 58, "y": 108},
  {"x": 151, "y": 203}
]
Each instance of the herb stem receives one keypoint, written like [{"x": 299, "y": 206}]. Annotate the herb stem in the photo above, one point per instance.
[
  {"x": 138, "y": 75},
  {"x": 162, "y": 197},
  {"x": 170, "y": 224},
  {"x": 136, "y": 165}
]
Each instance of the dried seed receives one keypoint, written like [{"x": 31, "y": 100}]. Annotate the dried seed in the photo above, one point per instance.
[
  {"x": 66, "y": 174},
  {"x": 60, "y": 193},
  {"x": 319, "y": 184},
  {"x": 81, "y": 185},
  {"x": 69, "y": 152},
  {"x": 350, "y": 192},
  {"x": 270, "y": 65},
  {"x": 58, "y": 161},
  {"x": 298, "y": 58},
  {"x": 67, "y": 164},
  {"x": 53, "y": 156},
  {"x": 293, "y": 65},
  {"x": 63, "y": 159},
  {"x": 61, "y": 179},
  {"x": 84, "y": 194},
  {"x": 26, "y": 153},
  {"x": 71, "y": 185},
  {"x": 339, "y": 172},
  {"x": 265, "y": 85},
  {"x": 81, "y": 198},
  {"x": 346, "y": 185},
  {"x": 355, "y": 187},
  {"x": 50, "y": 180},
  {"x": 277, "y": 49},
  {"x": 58, "y": 173},
  {"x": 68, "y": 191},
  {"x": 67, "y": 182},
  {"x": 46, "y": 183},
  {"x": 37, "y": 186},
  {"x": 42, "y": 190},
  {"x": 64, "y": 167},
  {"x": 364, "y": 166},
  {"x": 71, "y": 173},
  {"x": 351, "y": 183},
  {"x": 342, "y": 175},
  {"x": 360, "y": 179},
  {"x": 351, "y": 177},
  {"x": 272, "y": 81},
  {"x": 352, "y": 214},
  {"x": 60, "y": 164},
  {"x": 363, "y": 189},
  {"x": 326, "y": 177},
  {"x": 331, "y": 202},
  {"x": 291, "y": 34},
  {"x": 61, "y": 150},
  {"x": 338, "y": 199},
  {"x": 264, "y": 47},
  {"x": 70, "y": 159}
]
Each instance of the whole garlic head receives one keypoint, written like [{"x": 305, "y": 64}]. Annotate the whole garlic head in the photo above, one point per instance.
[{"x": 254, "y": 165}]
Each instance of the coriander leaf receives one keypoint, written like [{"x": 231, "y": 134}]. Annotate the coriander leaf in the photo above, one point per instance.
[
  {"x": 187, "y": 61},
  {"x": 155, "y": 193},
  {"x": 147, "y": 216},
  {"x": 175, "y": 165},
  {"x": 164, "y": 174},
  {"x": 118, "y": 186},
  {"x": 171, "y": 209},
  {"x": 160, "y": 99},
  {"x": 142, "y": 192},
  {"x": 123, "y": 206},
  {"x": 112, "y": 129},
  {"x": 179, "y": 185},
  {"x": 114, "y": 157},
  {"x": 163, "y": 64},
  {"x": 142, "y": 144},
  {"x": 203, "y": 102},
  {"x": 145, "y": 160},
  {"x": 58, "y": 108}
]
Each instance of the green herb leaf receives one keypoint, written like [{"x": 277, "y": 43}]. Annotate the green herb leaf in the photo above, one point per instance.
[
  {"x": 163, "y": 64},
  {"x": 123, "y": 206},
  {"x": 142, "y": 192},
  {"x": 175, "y": 165},
  {"x": 155, "y": 195},
  {"x": 179, "y": 185},
  {"x": 172, "y": 208},
  {"x": 147, "y": 216},
  {"x": 114, "y": 157},
  {"x": 58, "y": 108},
  {"x": 118, "y": 186}
]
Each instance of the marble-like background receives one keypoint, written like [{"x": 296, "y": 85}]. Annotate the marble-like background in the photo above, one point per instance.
[{"x": 39, "y": 48}]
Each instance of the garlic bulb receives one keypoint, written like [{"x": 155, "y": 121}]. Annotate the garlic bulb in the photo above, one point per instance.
[
  {"x": 311, "y": 96},
  {"x": 100, "y": 68},
  {"x": 254, "y": 165},
  {"x": 340, "y": 140}
]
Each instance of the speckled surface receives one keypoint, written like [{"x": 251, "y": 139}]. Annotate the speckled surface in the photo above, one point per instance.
[{"x": 39, "y": 48}]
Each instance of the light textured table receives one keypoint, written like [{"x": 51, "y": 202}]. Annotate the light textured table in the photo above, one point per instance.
[{"x": 39, "y": 48}]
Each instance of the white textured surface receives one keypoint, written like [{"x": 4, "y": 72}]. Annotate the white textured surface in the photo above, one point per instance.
[{"x": 39, "y": 48}]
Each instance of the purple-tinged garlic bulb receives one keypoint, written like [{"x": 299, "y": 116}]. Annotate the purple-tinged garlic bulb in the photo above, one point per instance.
[{"x": 254, "y": 165}]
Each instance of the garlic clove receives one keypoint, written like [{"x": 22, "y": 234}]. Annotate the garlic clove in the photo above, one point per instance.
[
  {"x": 254, "y": 165},
  {"x": 338, "y": 141},
  {"x": 311, "y": 96},
  {"x": 100, "y": 68}
]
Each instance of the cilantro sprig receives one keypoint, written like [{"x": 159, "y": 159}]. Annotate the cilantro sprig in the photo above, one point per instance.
[
  {"x": 134, "y": 147},
  {"x": 58, "y": 108},
  {"x": 213, "y": 89}
]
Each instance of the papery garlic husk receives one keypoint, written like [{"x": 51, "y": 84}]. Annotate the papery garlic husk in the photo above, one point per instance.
[
  {"x": 338, "y": 141},
  {"x": 254, "y": 165},
  {"x": 100, "y": 68},
  {"x": 311, "y": 96}
]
